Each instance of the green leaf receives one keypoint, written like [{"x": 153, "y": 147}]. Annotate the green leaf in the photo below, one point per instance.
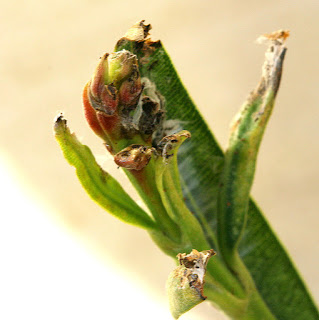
[
  {"x": 240, "y": 158},
  {"x": 167, "y": 181},
  {"x": 101, "y": 186},
  {"x": 201, "y": 163}
]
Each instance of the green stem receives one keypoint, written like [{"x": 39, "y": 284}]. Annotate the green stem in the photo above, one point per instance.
[
  {"x": 144, "y": 182},
  {"x": 247, "y": 309},
  {"x": 168, "y": 186},
  {"x": 200, "y": 215},
  {"x": 177, "y": 209},
  {"x": 222, "y": 299},
  {"x": 256, "y": 307}
]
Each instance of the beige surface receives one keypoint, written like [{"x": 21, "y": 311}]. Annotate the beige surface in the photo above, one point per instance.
[{"x": 49, "y": 50}]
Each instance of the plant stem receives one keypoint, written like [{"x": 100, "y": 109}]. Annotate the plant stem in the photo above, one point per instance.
[
  {"x": 144, "y": 182},
  {"x": 168, "y": 186},
  {"x": 251, "y": 307}
]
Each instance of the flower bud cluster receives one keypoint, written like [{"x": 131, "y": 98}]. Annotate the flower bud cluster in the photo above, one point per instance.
[{"x": 116, "y": 105}]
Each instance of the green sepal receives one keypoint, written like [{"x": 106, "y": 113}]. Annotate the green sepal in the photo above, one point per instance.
[
  {"x": 185, "y": 283},
  {"x": 100, "y": 186},
  {"x": 168, "y": 184},
  {"x": 182, "y": 298}
]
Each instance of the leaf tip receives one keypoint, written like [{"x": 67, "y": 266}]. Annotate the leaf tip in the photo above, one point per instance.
[
  {"x": 274, "y": 57},
  {"x": 60, "y": 124}
]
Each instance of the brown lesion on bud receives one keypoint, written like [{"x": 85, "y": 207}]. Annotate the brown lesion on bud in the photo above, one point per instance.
[
  {"x": 130, "y": 91},
  {"x": 195, "y": 268},
  {"x": 102, "y": 96},
  {"x": 111, "y": 96},
  {"x": 98, "y": 79},
  {"x": 169, "y": 143},
  {"x": 116, "y": 83},
  {"x": 123, "y": 108},
  {"x": 151, "y": 116},
  {"x": 107, "y": 101},
  {"x": 134, "y": 157}
]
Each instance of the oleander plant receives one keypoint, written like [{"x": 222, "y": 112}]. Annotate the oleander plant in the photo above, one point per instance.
[{"x": 197, "y": 196}]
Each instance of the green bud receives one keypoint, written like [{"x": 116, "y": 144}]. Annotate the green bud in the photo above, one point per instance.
[
  {"x": 185, "y": 284},
  {"x": 121, "y": 65}
]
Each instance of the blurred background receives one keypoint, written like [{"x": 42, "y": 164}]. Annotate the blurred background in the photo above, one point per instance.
[{"x": 64, "y": 256}]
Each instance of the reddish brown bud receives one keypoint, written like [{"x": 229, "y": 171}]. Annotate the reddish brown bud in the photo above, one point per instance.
[
  {"x": 130, "y": 91},
  {"x": 111, "y": 95},
  {"x": 134, "y": 157},
  {"x": 90, "y": 114},
  {"x": 99, "y": 121}
]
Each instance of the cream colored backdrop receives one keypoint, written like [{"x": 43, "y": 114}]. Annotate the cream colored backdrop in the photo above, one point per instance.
[{"x": 49, "y": 50}]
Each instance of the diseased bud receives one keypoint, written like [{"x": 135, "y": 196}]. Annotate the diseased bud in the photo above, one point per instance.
[
  {"x": 130, "y": 91},
  {"x": 134, "y": 157},
  {"x": 121, "y": 65},
  {"x": 185, "y": 284},
  {"x": 111, "y": 95},
  {"x": 100, "y": 121},
  {"x": 98, "y": 79},
  {"x": 171, "y": 143},
  {"x": 102, "y": 95},
  {"x": 116, "y": 80}
]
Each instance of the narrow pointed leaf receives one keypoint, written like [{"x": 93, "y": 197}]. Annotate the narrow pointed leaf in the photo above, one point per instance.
[
  {"x": 241, "y": 155},
  {"x": 101, "y": 186}
]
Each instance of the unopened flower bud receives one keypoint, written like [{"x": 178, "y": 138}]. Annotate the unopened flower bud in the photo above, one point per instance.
[
  {"x": 102, "y": 96},
  {"x": 130, "y": 91},
  {"x": 115, "y": 80},
  {"x": 169, "y": 144},
  {"x": 185, "y": 284},
  {"x": 112, "y": 94},
  {"x": 134, "y": 157},
  {"x": 121, "y": 65}
]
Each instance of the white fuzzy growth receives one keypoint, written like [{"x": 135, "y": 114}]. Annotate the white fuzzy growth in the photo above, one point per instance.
[
  {"x": 200, "y": 266},
  {"x": 150, "y": 90}
]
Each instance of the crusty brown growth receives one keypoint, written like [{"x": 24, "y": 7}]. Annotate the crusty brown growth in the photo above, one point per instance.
[
  {"x": 148, "y": 49},
  {"x": 195, "y": 264},
  {"x": 151, "y": 116},
  {"x": 167, "y": 145},
  {"x": 138, "y": 32},
  {"x": 134, "y": 157}
]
